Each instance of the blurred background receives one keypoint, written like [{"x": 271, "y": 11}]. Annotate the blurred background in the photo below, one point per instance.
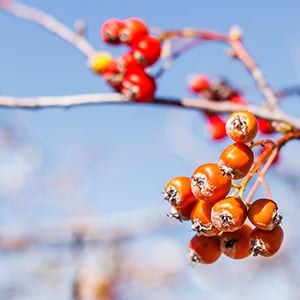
[{"x": 82, "y": 213}]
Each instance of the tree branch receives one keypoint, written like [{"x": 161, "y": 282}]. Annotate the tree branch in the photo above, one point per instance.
[
  {"x": 117, "y": 98},
  {"x": 49, "y": 23}
]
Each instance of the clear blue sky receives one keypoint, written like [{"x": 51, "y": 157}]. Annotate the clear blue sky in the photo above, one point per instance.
[{"x": 123, "y": 155}]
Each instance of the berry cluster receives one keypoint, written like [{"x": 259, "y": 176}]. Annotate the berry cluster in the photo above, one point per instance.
[
  {"x": 127, "y": 74},
  {"x": 223, "y": 222},
  {"x": 221, "y": 90}
]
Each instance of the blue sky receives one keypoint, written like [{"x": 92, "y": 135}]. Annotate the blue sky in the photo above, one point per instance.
[{"x": 120, "y": 156}]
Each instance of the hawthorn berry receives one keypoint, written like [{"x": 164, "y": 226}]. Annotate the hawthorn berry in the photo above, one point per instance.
[
  {"x": 236, "y": 244},
  {"x": 198, "y": 83},
  {"x": 204, "y": 249},
  {"x": 112, "y": 75},
  {"x": 266, "y": 243},
  {"x": 110, "y": 31},
  {"x": 263, "y": 213},
  {"x": 146, "y": 49},
  {"x": 178, "y": 191},
  {"x": 265, "y": 126},
  {"x": 229, "y": 214},
  {"x": 241, "y": 126},
  {"x": 200, "y": 218},
  {"x": 236, "y": 160},
  {"x": 216, "y": 127},
  {"x": 132, "y": 28},
  {"x": 138, "y": 86},
  {"x": 181, "y": 213},
  {"x": 208, "y": 183}
]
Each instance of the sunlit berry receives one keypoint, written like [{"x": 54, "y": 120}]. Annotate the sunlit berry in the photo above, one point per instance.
[
  {"x": 236, "y": 244},
  {"x": 236, "y": 160},
  {"x": 209, "y": 184},
  {"x": 198, "y": 83},
  {"x": 265, "y": 126},
  {"x": 110, "y": 31},
  {"x": 132, "y": 28},
  {"x": 229, "y": 214},
  {"x": 99, "y": 61},
  {"x": 182, "y": 213},
  {"x": 204, "y": 249},
  {"x": 263, "y": 213},
  {"x": 178, "y": 191},
  {"x": 138, "y": 86},
  {"x": 146, "y": 49},
  {"x": 241, "y": 126},
  {"x": 216, "y": 127},
  {"x": 266, "y": 243},
  {"x": 200, "y": 218}
]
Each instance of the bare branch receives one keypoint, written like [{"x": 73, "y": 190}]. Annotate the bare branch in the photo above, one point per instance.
[
  {"x": 117, "y": 98},
  {"x": 49, "y": 23}
]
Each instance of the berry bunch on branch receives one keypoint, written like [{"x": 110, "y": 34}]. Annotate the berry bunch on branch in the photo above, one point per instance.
[{"x": 212, "y": 199}]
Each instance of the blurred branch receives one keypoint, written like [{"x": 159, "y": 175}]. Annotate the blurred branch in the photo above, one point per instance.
[
  {"x": 117, "y": 98},
  {"x": 49, "y": 23},
  {"x": 87, "y": 230}
]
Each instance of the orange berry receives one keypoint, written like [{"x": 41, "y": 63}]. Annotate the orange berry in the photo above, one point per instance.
[
  {"x": 200, "y": 217},
  {"x": 204, "y": 249},
  {"x": 263, "y": 213},
  {"x": 198, "y": 83},
  {"x": 236, "y": 244},
  {"x": 182, "y": 213},
  {"x": 229, "y": 214},
  {"x": 209, "y": 184},
  {"x": 236, "y": 160},
  {"x": 266, "y": 243},
  {"x": 178, "y": 191},
  {"x": 241, "y": 126}
]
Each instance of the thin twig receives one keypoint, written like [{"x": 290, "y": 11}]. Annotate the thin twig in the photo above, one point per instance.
[{"x": 48, "y": 22}]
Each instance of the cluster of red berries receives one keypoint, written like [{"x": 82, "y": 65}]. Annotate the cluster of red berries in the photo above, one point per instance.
[
  {"x": 127, "y": 74},
  {"x": 225, "y": 223},
  {"x": 221, "y": 90}
]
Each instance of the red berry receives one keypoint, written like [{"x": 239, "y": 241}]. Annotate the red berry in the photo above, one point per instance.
[
  {"x": 138, "y": 86},
  {"x": 265, "y": 126},
  {"x": 198, "y": 83},
  {"x": 132, "y": 28},
  {"x": 146, "y": 49},
  {"x": 110, "y": 31},
  {"x": 216, "y": 127}
]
